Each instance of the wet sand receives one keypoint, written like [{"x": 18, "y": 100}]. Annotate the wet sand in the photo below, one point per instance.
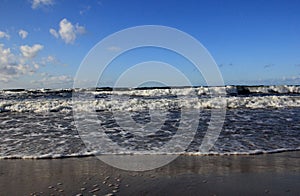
[{"x": 266, "y": 174}]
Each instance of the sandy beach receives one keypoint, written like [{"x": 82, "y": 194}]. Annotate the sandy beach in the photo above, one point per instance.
[{"x": 273, "y": 174}]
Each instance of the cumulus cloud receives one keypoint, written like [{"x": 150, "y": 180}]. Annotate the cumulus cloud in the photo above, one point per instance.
[
  {"x": 39, "y": 3},
  {"x": 23, "y": 34},
  {"x": 52, "y": 60},
  {"x": 12, "y": 65},
  {"x": 8, "y": 67},
  {"x": 54, "y": 33},
  {"x": 30, "y": 51},
  {"x": 16, "y": 63},
  {"x": 4, "y": 35},
  {"x": 67, "y": 31}
]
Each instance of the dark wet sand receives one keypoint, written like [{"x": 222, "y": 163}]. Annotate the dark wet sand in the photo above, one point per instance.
[{"x": 267, "y": 174}]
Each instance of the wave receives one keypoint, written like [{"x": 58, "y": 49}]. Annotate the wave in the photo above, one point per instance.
[
  {"x": 91, "y": 154},
  {"x": 200, "y": 90},
  {"x": 60, "y": 100},
  {"x": 138, "y": 103}
]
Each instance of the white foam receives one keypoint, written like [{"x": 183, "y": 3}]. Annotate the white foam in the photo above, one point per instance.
[
  {"x": 64, "y": 105},
  {"x": 86, "y": 153},
  {"x": 129, "y": 100}
]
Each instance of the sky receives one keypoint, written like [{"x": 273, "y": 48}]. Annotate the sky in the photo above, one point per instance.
[{"x": 43, "y": 42}]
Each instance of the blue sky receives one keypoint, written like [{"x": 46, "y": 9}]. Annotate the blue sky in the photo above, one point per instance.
[{"x": 42, "y": 42}]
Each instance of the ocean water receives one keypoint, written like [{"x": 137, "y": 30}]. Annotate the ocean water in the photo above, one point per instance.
[{"x": 41, "y": 123}]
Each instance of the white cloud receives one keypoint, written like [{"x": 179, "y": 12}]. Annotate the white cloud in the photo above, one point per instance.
[
  {"x": 4, "y": 35},
  {"x": 67, "y": 31},
  {"x": 58, "y": 79},
  {"x": 52, "y": 60},
  {"x": 53, "y": 81},
  {"x": 80, "y": 29},
  {"x": 39, "y": 3},
  {"x": 5, "y": 55},
  {"x": 36, "y": 65},
  {"x": 12, "y": 65},
  {"x": 23, "y": 34},
  {"x": 7, "y": 64},
  {"x": 54, "y": 33},
  {"x": 15, "y": 64},
  {"x": 49, "y": 59},
  {"x": 30, "y": 52}
]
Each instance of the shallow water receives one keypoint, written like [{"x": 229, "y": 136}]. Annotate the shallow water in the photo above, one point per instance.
[{"x": 38, "y": 124}]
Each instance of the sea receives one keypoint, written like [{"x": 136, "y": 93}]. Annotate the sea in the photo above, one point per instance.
[{"x": 43, "y": 123}]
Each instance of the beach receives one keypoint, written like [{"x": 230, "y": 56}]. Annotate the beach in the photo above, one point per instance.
[{"x": 273, "y": 174}]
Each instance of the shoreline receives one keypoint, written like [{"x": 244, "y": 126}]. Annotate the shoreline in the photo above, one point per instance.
[
  {"x": 274, "y": 174},
  {"x": 182, "y": 155}
]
